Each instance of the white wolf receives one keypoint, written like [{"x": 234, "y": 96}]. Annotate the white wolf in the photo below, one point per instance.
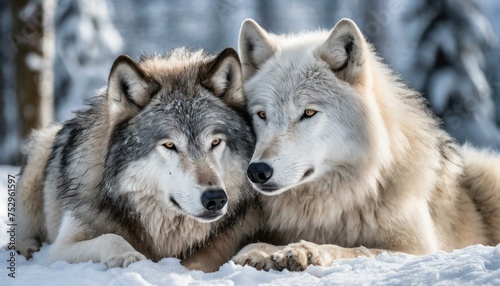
[{"x": 350, "y": 160}]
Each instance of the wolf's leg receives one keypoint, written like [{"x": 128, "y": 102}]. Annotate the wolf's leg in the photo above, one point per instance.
[
  {"x": 297, "y": 256},
  {"x": 257, "y": 255},
  {"x": 110, "y": 249},
  {"x": 30, "y": 204},
  {"x": 214, "y": 255},
  {"x": 29, "y": 231}
]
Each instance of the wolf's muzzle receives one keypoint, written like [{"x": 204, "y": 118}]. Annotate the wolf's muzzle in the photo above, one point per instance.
[{"x": 214, "y": 199}]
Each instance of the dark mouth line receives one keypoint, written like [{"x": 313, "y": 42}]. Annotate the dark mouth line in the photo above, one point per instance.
[
  {"x": 175, "y": 203},
  {"x": 307, "y": 173},
  {"x": 210, "y": 216},
  {"x": 268, "y": 189},
  {"x": 275, "y": 188},
  {"x": 203, "y": 216}
]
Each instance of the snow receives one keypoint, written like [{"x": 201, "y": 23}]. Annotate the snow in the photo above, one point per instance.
[{"x": 474, "y": 265}]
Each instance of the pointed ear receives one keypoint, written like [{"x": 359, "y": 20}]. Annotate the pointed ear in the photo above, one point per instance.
[
  {"x": 345, "y": 51},
  {"x": 222, "y": 76},
  {"x": 129, "y": 87},
  {"x": 255, "y": 47}
]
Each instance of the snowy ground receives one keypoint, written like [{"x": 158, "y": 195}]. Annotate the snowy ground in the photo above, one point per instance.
[{"x": 475, "y": 265}]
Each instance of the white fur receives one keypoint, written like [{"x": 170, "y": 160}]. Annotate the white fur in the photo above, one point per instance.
[
  {"x": 111, "y": 249},
  {"x": 176, "y": 177},
  {"x": 384, "y": 175}
]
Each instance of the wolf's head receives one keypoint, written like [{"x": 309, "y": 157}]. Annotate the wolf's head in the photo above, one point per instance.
[
  {"x": 309, "y": 95},
  {"x": 179, "y": 131}
]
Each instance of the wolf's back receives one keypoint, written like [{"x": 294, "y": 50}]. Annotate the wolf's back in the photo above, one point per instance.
[{"x": 482, "y": 182}]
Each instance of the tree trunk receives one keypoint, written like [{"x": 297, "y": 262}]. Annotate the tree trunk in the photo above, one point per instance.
[{"x": 32, "y": 40}]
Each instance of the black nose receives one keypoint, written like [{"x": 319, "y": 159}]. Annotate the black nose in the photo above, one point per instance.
[
  {"x": 214, "y": 199},
  {"x": 259, "y": 172}
]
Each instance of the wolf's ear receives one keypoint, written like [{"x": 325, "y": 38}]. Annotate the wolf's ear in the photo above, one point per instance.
[
  {"x": 129, "y": 87},
  {"x": 222, "y": 76},
  {"x": 255, "y": 47},
  {"x": 345, "y": 51}
]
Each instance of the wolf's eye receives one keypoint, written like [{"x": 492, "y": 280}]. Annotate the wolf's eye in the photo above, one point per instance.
[
  {"x": 215, "y": 142},
  {"x": 308, "y": 113},
  {"x": 170, "y": 145},
  {"x": 262, "y": 114}
]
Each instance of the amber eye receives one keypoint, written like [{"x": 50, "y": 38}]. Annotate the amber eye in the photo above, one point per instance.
[
  {"x": 309, "y": 113},
  {"x": 215, "y": 142},
  {"x": 262, "y": 114},
  {"x": 169, "y": 145}
]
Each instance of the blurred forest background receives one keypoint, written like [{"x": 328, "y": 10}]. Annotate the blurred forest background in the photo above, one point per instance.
[{"x": 55, "y": 54}]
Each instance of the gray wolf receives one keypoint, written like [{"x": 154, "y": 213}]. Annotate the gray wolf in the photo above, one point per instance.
[
  {"x": 154, "y": 168},
  {"x": 350, "y": 161}
]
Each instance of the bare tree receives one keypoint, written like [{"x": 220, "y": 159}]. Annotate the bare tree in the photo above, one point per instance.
[
  {"x": 32, "y": 39},
  {"x": 5, "y": 56}
]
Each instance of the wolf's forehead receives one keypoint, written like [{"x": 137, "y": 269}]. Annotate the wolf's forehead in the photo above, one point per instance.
[
  {"x": 194, "y": 117},
  {"x": 181, "y": 104},
  {"x": 286, "y": 84}
]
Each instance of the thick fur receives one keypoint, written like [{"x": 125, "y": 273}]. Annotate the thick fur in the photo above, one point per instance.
[
  {"x": 123, "y": 180},
  {"x": 370, "y": 171}
]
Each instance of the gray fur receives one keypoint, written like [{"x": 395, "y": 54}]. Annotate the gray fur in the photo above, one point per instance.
[{"x": 97, "y": 191}]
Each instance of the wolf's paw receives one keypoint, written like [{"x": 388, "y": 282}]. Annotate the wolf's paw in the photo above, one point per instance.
[
  {"x": 297, "y": 256},
  {"x": 27, "y": 247},
  {"x": 255, "y": 258},
  {"x": 257, "y": 255},
  {"x": 123, "y": 260}
]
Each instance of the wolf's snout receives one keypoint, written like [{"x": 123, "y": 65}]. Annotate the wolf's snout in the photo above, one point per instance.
[
  {"x": 214, "y": 200},
  {"x": 259, "y": 173}
]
